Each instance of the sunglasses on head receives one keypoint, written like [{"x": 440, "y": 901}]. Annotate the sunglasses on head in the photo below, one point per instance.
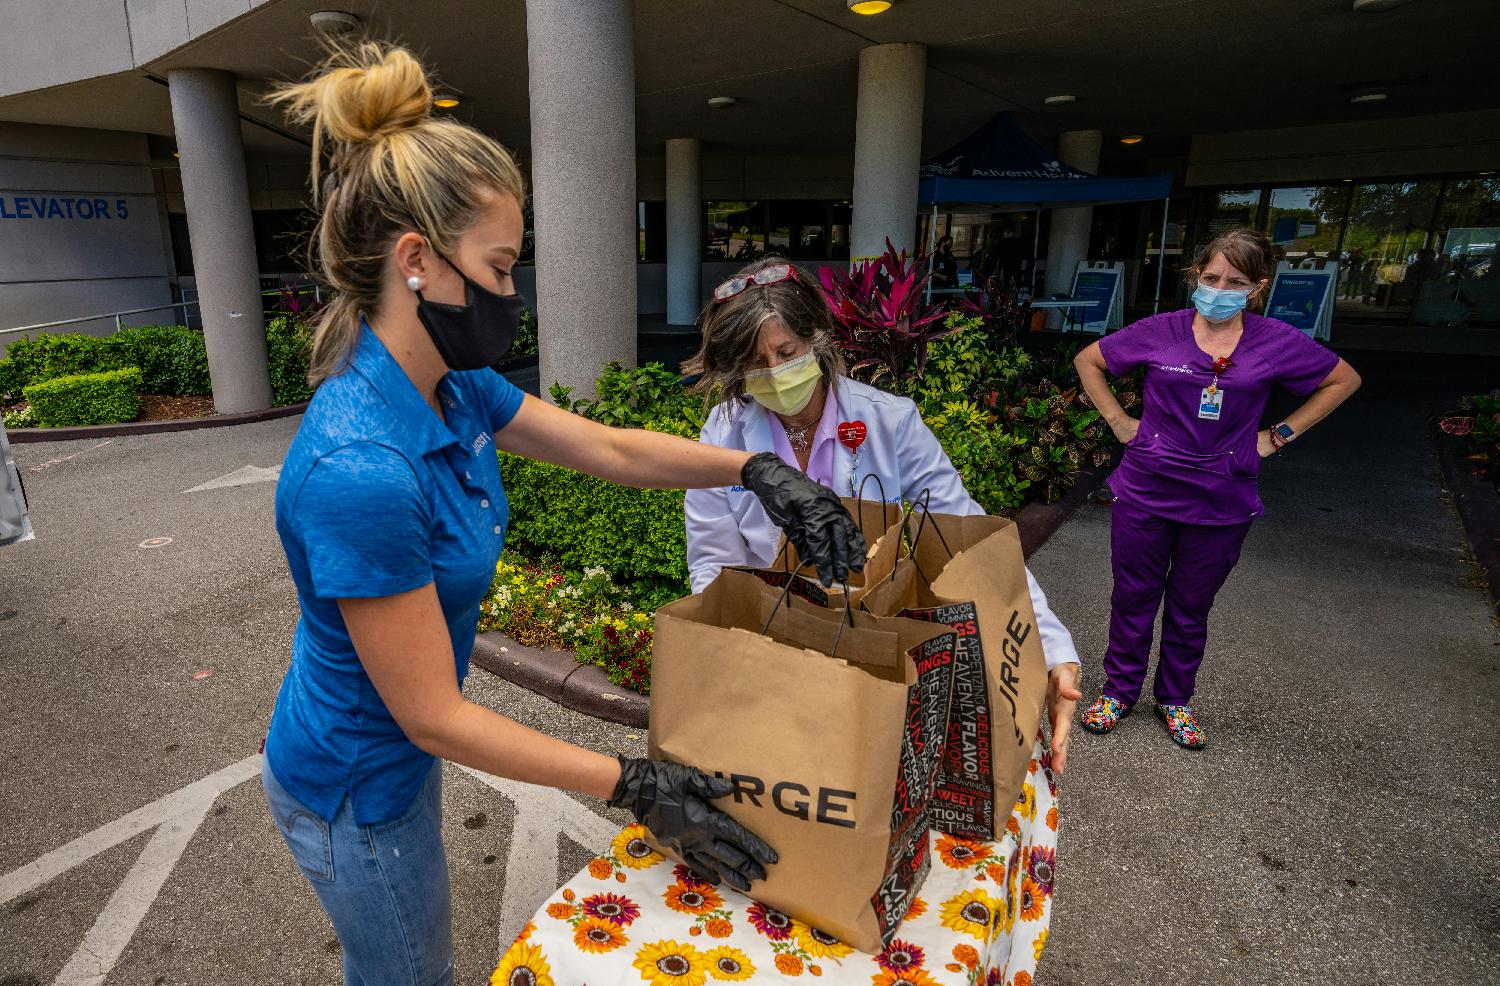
[{"x": 774, "y": 274}]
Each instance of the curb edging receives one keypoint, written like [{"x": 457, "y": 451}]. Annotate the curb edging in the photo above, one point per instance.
[
  {"x": 556, "y": 675},
  {"x": 1477, "y": 503},
  {"x": 24, "y": 436}
]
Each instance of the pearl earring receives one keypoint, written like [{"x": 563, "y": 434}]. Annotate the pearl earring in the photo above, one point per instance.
[{"x": 414, "y": 282}]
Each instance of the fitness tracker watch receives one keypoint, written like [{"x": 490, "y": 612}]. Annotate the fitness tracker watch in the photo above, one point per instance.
[{"x": 1284, "y": 432}]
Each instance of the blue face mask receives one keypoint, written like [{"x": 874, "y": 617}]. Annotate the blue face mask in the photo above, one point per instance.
[{"x": 1219, "y": 305}]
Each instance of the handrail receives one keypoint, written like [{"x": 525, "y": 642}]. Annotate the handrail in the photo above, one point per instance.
[{"x": 316, "y": 289}]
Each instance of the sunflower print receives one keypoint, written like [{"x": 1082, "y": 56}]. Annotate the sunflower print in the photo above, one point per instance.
[
  {"x": 958, "y": 853},
  {"x": 899, "y": 956},
  {"x": 1026, "y": 805},
  {"x": 819, "y": 944},
  {"x": 631, "y": 849},
  {"x": 611, "y": 907},
  {"x": 692, "y": 900},
  {"x": 983, "y": 923},
  {"x": 598, "y": 935},
  {"x": 910, "y": 977},
  {"x": 729, "y": 965},
  {"x": 771, "y": 922},
  {"x": 523, "y": 965},
  {"x": 666, "y": 963},
  {"x": 973, "y": 913},
  {"x": 1041, "y": 866}
]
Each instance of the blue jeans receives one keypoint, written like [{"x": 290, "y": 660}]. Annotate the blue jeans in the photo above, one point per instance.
[{"x": 385, "y": 887}]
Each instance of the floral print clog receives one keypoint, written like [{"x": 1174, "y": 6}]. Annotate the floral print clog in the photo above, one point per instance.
[
  {"x": 1104, "y": 715},
  {"x": 1181, "y": 726}
]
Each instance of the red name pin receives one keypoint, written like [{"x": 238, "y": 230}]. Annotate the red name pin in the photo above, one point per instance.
[
  {"x": 1222, "y": 363},
  {"x": 852, "y": 434}
]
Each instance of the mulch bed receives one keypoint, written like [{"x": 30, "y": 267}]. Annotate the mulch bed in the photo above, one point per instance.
[{"x": 158, "y": 407}]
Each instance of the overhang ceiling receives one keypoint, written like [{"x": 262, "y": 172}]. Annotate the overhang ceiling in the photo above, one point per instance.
[{"x": 1165, "y": 68}]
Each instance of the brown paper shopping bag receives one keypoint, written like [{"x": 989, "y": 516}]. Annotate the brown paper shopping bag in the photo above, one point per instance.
[
  {"x": 968, "y": 573},
  {"x": 829, "y": 723},
  {"x": 875, "y": 519}
]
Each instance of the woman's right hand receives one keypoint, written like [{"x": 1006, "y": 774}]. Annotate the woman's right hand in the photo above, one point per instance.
[
  {"x": 671, "y": 800},
  {"x": 1125, "y": 429}
]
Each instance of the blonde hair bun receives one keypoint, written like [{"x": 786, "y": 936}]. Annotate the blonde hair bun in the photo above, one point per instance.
[{"x": 364, "y": 92}]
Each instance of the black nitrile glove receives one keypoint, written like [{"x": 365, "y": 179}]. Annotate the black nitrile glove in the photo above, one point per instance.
[
  {"x": 671, "y": 800},
  {"x": 811, "y": 515}
]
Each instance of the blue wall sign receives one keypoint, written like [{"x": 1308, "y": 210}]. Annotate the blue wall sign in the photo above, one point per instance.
[{"x": 61, "y": 207}]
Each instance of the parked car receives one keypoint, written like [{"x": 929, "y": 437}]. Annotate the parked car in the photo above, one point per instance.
[{"x": 14, "y": 524}]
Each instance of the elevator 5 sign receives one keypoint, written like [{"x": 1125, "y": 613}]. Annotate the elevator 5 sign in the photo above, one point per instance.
[{"x": 61, "y": 207}]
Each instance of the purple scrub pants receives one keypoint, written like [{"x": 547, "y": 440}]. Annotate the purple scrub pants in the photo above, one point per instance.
[{"x": 1153, "y": 557}]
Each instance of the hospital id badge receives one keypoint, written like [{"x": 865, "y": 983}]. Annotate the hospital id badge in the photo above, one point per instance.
[{"x": 1209, "y": 403}]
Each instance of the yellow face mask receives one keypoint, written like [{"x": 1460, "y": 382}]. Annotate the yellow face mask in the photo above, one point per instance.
[{"x": 788, "y": 388}]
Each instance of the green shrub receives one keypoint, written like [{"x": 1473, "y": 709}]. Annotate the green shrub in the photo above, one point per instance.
[
  {"x": 12, "y": 380},
  {"x": 46, "y": 356},
  {"x": 173, "y": 358},
  {"x": 526, "y": 337},
  {"x": 288, "y": 353},
  {"x": 636, "y": 536},
  {"x": 634, "y": 398},
  {"x": 20, "y": 417},
  {"x": 86, "y": 399}
]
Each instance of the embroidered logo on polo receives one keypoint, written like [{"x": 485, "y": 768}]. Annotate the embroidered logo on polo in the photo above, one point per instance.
[
  {"x": 481, "y": 441},
  {"x": 1175, "y": 369}
]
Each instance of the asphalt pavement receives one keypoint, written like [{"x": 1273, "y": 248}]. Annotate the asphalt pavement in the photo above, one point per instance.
[{"x": 1339, "y": 828}]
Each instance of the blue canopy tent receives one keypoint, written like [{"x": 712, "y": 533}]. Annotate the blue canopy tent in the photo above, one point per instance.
[{"x": 999, "y": 164}]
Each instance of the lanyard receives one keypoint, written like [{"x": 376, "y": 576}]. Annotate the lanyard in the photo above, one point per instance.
[{"x": 1222, "y": 364}]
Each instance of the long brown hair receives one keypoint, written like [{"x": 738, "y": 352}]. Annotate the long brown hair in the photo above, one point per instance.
[
  {"x": 1249, "y": 251},
  {"x": 383, "y": 165},
  {"x": 731, "y": 329}
]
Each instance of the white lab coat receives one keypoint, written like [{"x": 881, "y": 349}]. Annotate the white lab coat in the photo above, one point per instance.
[{"x": 728, "y": 526}]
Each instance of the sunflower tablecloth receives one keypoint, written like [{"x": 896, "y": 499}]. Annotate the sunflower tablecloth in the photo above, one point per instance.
[{"x": 632, "y": 917}]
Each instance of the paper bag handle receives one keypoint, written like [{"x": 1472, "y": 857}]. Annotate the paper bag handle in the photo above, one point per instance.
[
  {"x": 924, "y": 500},
  {"x": 859, "y": 497},
  {"x": 785, "y": 597}
]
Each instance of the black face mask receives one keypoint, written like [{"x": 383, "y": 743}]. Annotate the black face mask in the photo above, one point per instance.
[{"x": 479, "y": 332}]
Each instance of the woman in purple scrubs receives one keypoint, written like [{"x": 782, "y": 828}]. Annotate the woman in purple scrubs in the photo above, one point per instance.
[{"x": 1185, "y": 491}]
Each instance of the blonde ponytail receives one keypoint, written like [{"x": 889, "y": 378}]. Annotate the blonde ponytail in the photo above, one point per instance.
[{"x": 383, "y": 165}]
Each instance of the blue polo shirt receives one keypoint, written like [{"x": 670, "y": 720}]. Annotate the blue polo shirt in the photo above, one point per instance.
[{"x": 378, "y": 496}]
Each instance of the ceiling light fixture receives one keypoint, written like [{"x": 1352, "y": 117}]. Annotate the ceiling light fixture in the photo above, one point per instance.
[
  {"x": 447, "y": 101},
  {"x": 1369, "y": 97},
  {"x": 721, "y": 102},
  {"x": 1377, "y": 6},
  {"x": 869, "y": 6},
  {"x": 334, "y": 21},
  {"x": 1132, "y": 139},
  {"x": 1060, "y": 100}
]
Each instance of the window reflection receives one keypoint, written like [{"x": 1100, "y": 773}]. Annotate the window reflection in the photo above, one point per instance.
[
  {"x": 1387, "y": 248},
  {"x": 736, "y": 231}
]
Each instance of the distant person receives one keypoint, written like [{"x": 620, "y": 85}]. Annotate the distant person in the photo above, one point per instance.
[
  {"x": 945, "y": 265},
  {"x": 1424, "y": 268},
  {"x": 1186, "y": 490}
]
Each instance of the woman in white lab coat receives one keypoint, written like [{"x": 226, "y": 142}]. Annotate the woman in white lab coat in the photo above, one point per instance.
[{"x": 768, "y": 348}]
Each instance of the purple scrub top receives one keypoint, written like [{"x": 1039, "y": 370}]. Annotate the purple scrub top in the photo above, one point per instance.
[{"x": 1187, "y": 468}]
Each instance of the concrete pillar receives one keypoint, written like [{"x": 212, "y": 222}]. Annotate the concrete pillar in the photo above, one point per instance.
[
  {"x": 1068, "y": 242},
  {"x": 684, "y": 230},
  {"x": 887, "y": 147},
  {"x": 582, "y": 64},
  {"x": 206, "y": 118}
]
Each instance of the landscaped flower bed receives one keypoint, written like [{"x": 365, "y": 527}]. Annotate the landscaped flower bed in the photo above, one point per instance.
[
  {"x": 1478, "y": 424},
  {"x": 538, "y": 604}
]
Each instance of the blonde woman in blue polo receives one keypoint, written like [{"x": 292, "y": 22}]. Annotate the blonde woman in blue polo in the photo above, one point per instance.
[{"x": 392, "y": 515}]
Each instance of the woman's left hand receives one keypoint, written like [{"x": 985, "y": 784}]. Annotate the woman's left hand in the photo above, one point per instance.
[
  {"x": 1263, "y": 444},
  {"x": 1063, "y": 693}
]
